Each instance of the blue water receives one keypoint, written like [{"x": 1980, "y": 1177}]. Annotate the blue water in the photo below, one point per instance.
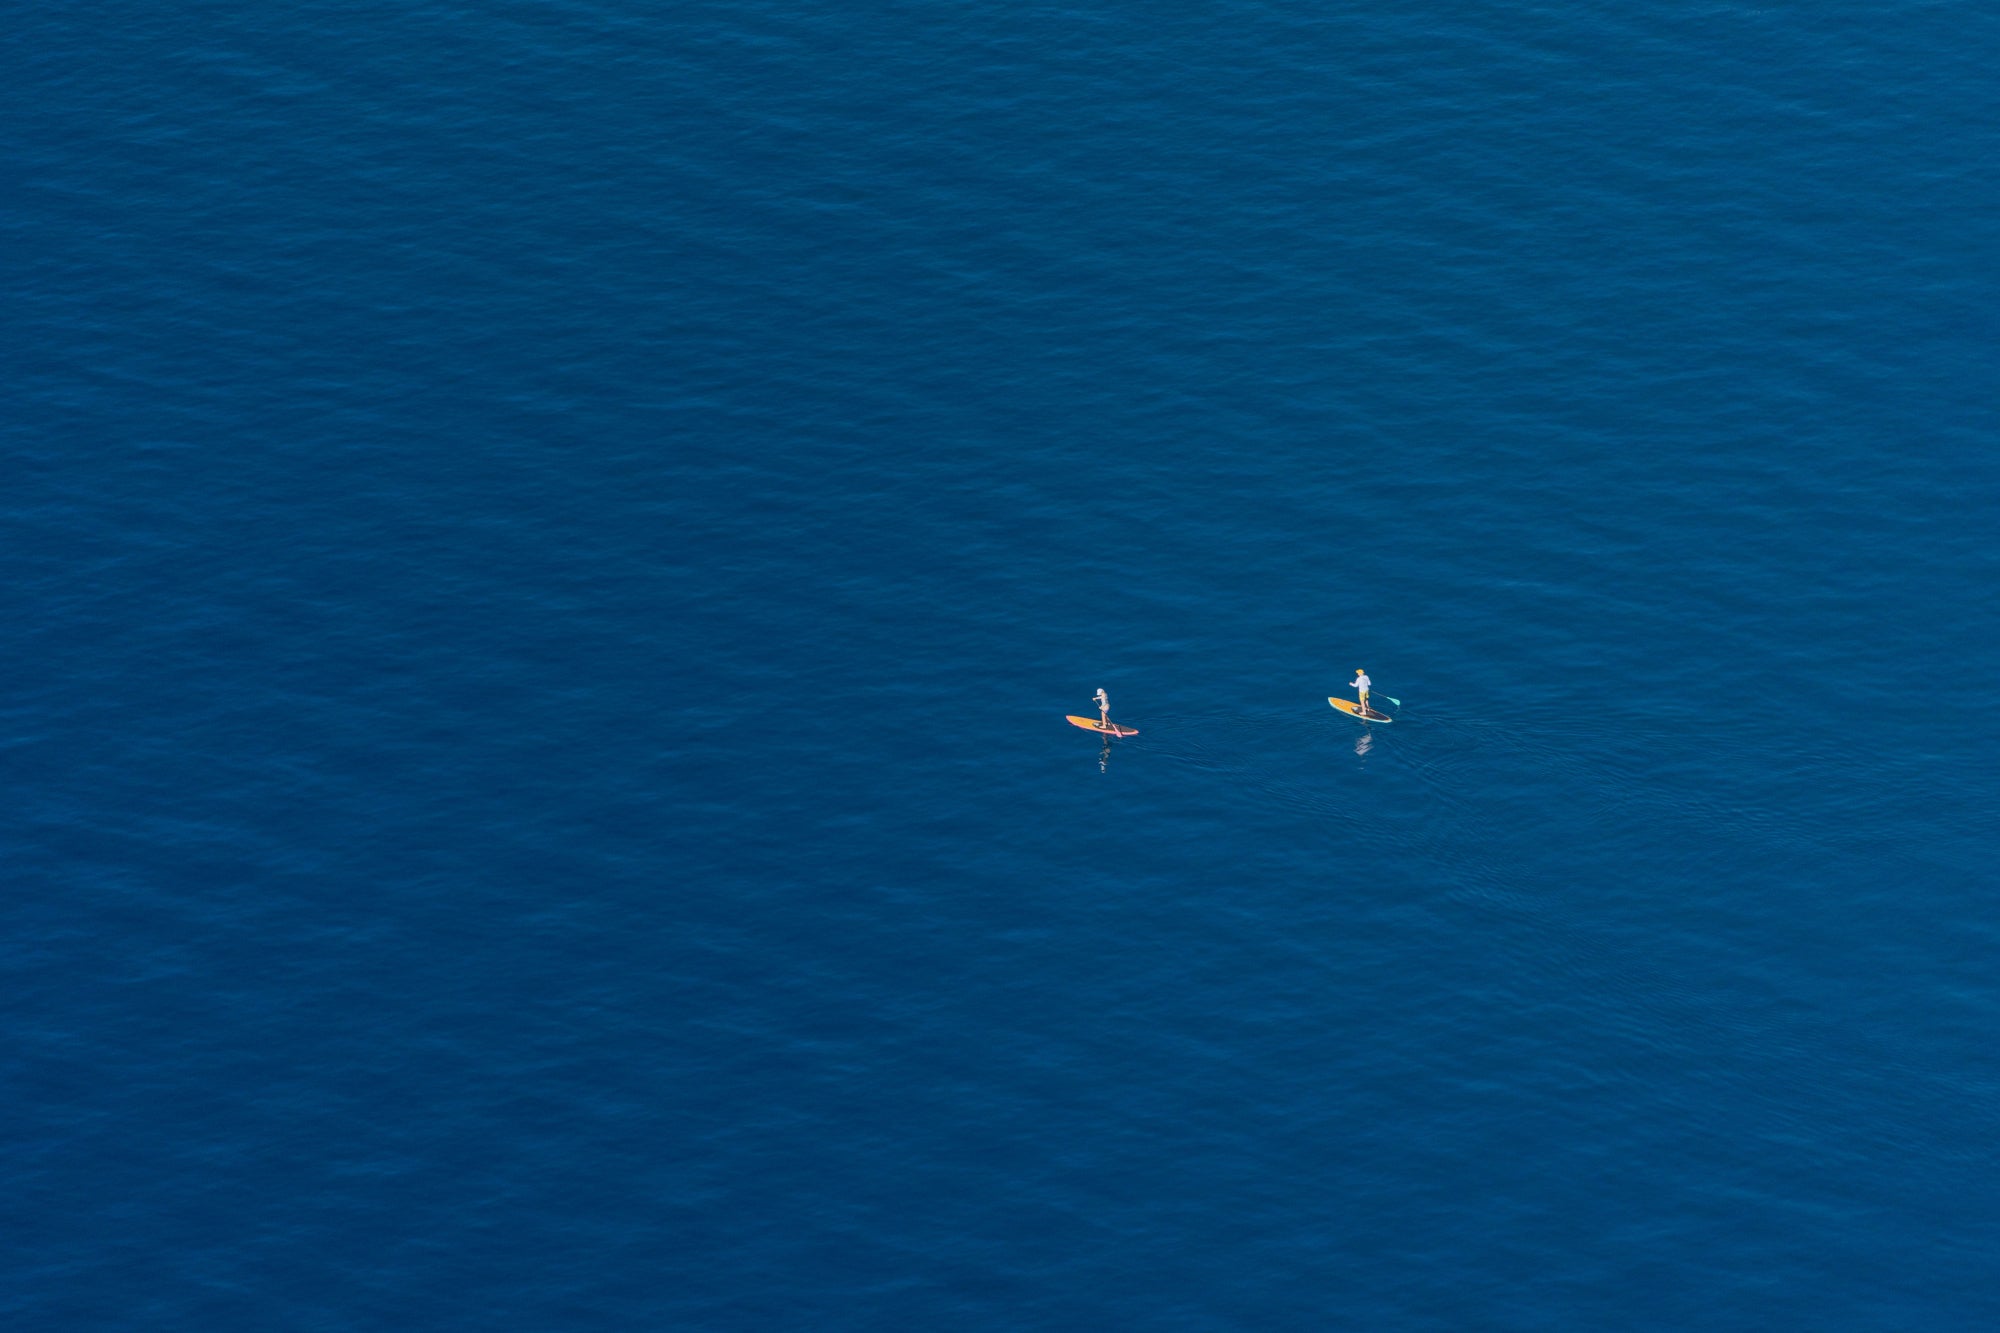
[{"x": 549, "y": 544}]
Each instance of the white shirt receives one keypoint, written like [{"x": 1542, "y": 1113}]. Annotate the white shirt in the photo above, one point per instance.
[{"x": 1361, "y": 682}]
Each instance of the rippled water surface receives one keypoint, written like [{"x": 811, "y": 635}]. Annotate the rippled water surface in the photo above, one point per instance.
[{"x": 549, "y": 545}]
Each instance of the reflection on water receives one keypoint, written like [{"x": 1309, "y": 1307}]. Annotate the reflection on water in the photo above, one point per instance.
[{"x": 1364, "y": 743}]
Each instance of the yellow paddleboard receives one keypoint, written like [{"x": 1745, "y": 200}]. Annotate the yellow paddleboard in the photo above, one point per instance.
[{"x": 1101, "y": 728}]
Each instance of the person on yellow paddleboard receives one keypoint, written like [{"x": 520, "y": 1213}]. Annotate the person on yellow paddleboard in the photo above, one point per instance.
[
  {"x": 1360, "y": 685},
  {"x": 1103, "y": 702}
]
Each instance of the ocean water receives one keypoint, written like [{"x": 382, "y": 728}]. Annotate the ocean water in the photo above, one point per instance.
[{"x": 549, "y": 545}]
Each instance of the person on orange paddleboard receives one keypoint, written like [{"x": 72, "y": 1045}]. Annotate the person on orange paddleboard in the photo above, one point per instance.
[
  {"x": 1360, "y": 685},
  {"x": 1103, "y": 702}
]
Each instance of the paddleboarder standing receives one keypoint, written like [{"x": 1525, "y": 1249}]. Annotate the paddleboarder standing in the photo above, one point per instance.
[
  {"x": 1103, "y": 702},
  {"x": 1359, "y": 685}
]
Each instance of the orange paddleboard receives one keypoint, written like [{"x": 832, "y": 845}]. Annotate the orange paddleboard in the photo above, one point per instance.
[
  {"x": 1352, "y": 709},
  {"x": 1101, "y": 728}
]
